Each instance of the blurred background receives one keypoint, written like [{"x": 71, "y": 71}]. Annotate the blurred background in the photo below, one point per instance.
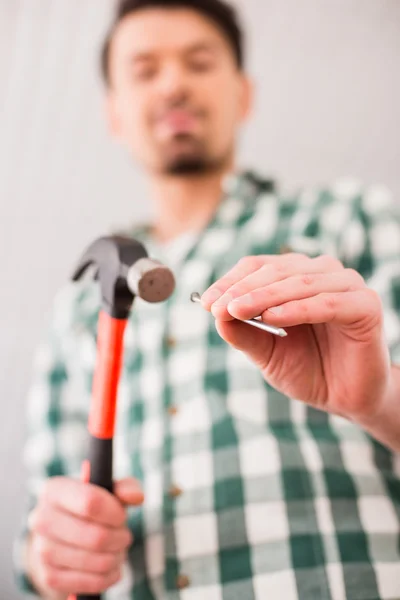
[{"x": 328, "y": 106}]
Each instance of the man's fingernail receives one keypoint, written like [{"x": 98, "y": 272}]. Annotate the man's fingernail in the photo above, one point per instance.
[
  {"x": 243, "y": 300},
  {"x": 211, "y": 296},
  {"x": 224, "y": 300},
  {"x": 276, "y": 310}
]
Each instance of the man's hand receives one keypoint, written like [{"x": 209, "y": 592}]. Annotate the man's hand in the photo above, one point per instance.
[
  {"x": 79, "y": 537},
  {"x": 335, "y": 357}
]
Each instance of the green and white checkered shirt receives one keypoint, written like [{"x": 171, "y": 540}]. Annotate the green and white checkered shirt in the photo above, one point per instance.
[{"x": 250, "y": 495}]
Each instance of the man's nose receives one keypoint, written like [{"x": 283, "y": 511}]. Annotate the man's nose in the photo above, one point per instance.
[{"x": 173, "y": 83}]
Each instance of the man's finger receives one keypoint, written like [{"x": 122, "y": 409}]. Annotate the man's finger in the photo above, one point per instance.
[
  {"x": 55, "y": 554},
  {"x": 245, "y": 267},
  {"x": 258, "y": 345},
  {"x": 129, "y": 492},
  {"x": 360, "y": 309},
  {"x": 242, "y": 279},
  {"x": 297, "y": 287},
  {"x": 77, "y": 582},
  {"x": 84, "y": 500},
  {"x": 67, "y": 529}
]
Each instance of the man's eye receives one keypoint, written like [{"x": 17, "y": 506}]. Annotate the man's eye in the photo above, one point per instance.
[
  {"x": 144, "y": 73},
  {"x": 201, "y": 66}
]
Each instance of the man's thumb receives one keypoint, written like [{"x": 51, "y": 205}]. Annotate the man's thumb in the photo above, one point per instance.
[
  {"x": 255, "y": 343},
  {"x": 128, "y": 491}
]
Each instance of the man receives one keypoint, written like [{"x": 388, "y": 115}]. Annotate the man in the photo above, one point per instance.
[{"x": 247, "y": 466}]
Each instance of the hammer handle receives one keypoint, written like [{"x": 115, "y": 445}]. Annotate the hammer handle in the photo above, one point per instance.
[{"x": 97, "y": 469}]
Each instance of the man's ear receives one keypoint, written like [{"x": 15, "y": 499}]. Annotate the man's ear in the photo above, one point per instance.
[
  {"x": 112, "y": 114},
  {"x": 246, "y": 97}
]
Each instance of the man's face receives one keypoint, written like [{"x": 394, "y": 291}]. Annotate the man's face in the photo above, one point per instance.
[{"x": 176, "y": 97}]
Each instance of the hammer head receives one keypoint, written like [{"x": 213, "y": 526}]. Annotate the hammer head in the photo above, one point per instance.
[{"x": 124, "y": 271}]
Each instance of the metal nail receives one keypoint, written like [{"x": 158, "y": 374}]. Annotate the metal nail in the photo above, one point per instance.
[{"x": 279, "y": 331}]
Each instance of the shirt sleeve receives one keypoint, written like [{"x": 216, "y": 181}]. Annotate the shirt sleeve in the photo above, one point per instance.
[
  {"x": 370, "y": 243},
  {"x": 55, "y": 429}
]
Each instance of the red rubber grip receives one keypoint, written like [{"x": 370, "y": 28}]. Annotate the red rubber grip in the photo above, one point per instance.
[{"x": 106, "y": 376}]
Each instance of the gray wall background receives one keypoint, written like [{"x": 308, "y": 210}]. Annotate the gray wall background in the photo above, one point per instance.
[{"x": 328, "y": 106}]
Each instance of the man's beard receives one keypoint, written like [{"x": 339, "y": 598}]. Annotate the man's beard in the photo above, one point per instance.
[
  {"x": 188, "y": 165},
  {"x": 194, "y": 160}
]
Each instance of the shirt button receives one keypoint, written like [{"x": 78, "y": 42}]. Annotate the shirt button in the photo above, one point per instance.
[
  {"x": 170, "y": 341},
  {"x": 285, "y": 249},
  {"x": 175, "y": 491},
  {"x": 182, "y": 582}
]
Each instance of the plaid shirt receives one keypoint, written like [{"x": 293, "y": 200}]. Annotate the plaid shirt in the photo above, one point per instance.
[{"x": 250, "y": 495}]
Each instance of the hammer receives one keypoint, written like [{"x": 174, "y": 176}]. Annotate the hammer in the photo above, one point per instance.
[{"x": 124, "y": 271}]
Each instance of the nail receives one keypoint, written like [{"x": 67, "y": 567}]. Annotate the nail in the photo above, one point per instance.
[
  {"x": 224, "y": 300},
  {"x": 210, "y": 296},
  {"x": 276, "y": 310},
  {"x": 245, "y": 300}
]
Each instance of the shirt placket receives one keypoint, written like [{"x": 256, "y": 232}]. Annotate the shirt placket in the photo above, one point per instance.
[{"x": 196, "y": 273}]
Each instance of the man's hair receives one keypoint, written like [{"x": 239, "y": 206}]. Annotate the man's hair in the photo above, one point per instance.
[{"x": 221, "y": 13}]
